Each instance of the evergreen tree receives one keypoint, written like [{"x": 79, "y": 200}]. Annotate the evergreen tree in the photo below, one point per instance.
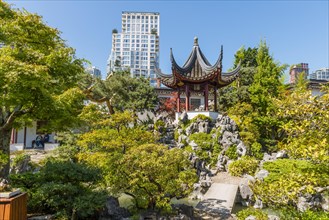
[{"x": 267, "y": 85}]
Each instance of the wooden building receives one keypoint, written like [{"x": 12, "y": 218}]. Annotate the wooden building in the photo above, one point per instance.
[{"x": 197, "y": 75}]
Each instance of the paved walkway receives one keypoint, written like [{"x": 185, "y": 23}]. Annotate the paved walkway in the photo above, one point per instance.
[
  {"x": 224, "y": 194},
  {"x": 219, "y": 200}
]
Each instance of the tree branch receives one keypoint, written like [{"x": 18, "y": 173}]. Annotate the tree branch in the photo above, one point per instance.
[{"x": 12, "y": 116}]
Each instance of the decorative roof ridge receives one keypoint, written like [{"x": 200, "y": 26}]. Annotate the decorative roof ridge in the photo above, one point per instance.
[
  {"x": 185, "y": 68},
  {"x": 160, "y": 74},
  {"x": 232, "y": 75},
  {"x": 204, "y": 63}
]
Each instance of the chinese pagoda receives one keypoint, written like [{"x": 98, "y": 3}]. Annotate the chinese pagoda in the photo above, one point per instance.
[{"x": 197, "y": 75}]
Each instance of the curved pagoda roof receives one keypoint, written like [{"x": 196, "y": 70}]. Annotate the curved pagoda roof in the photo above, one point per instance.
[{"x": 197, "y": 70}]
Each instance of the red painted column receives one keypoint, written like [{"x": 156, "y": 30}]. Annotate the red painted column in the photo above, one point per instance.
[
  {"x": 187, "y": 102},
  {"x": 178, "y": 100},
  {"x": 215, "y": 99},
  {"x": 206, "y": 92}
]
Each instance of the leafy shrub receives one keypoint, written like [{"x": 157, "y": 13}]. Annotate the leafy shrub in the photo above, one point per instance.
[
  {"x": 3, "y": 159},
  {"x": 245, "y": 165},
  {"x": 288, "y": 179},
  {"x": 256, "y": 151},
  {"x": 201, "y": 117},
  {"x": 231, "y": 152},
  {"x": 63, "y": 188},
  {"x": 292, "y": 214},
  {"x": 159, "y": 124},
  {"x": 208, "y": 148},
  {"x": 19, "y": 158},
  {"x": 176, "y": 135},
  {"x": 242, "y": 215}
]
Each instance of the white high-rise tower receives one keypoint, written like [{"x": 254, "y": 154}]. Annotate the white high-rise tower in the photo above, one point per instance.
[{"x": 137, "y": 47}]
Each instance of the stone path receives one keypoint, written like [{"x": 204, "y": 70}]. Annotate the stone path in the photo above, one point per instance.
[
  {"x": 224, "y": 194},
  {"x": 219, "y": 200}
]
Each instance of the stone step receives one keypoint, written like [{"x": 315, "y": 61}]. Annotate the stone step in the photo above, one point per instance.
[{"x": 223, "y": 194}]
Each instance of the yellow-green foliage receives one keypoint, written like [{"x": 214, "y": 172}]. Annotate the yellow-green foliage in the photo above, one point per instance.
[
  {"x": 154, "y": 175},
  {"x": 159, "y": 124},
  {"x": 289, "y": 178},
  {"x": 256, "y": 151},
  {"x": 206, "y": 144},
  {"x": 243, "y": 114},
  {"x": 3, "y": 159},
  {"x": 242, "y": 215},
  {"x": 245, "y": 165},
  {"x": 201, "y": 117},
  {"x": 306, "y": 123},
  {"x": 292, "y": 214},
  {"x": 231, "y": 152},
  {"x": 176, "y": 135}
]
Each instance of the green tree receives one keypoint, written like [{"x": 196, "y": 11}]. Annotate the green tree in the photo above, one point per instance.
[
  {"x": 238, "y": 91},
  {"x": 121, "y": 92},
  {"x": 38, "y": 73},
  {"x": 249, "y": 101},
  {"x": 132, "y": 162},
  {"x": 152, "y": 174}
]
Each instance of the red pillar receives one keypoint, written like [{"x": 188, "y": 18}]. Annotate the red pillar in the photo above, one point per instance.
[
  {"x": 178, "y": 100},
  {"x": 206, "y": 92},
  {"x": 187, "y": 102},
  {"x": 215, "y": 99}
]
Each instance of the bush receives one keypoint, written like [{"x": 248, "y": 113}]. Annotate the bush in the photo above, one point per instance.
[
  {"x": 231, "y": 152},
  {"x": 63, "y": 188},
  {"x": 292, "y": 214},
  {"x": 242, "y": 215},
  {"x": 159, "y": 125},
  {"x": 256, "y": 151},
  {"x": 288, "y": 179},
  {"x": 208, "y": 148},
  {"x": 201, "y": 117},
  {"x": 245, "y": 165}
]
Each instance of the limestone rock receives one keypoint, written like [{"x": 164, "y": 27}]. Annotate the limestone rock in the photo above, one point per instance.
[
  {"x": 325, "y": 202},
  {"x": 261, "y": 174},
  {"x": 302, "y": 204},
  {"x": 245, "y": 191},
  {"x": 113, "y": 210},
  {"x": 258, "y": 204},
  {"x": 193, "y": 145},
  {"x": 273, "y": 217},
  {"x": 183, "y": 117},
  {"x": 267, "y": 157},
  {"x": 281, "y": 154},
  {"x": 241, "y": 149},
  {"x": 251, "y": 217},
  {"x": 182, "y": 138}
]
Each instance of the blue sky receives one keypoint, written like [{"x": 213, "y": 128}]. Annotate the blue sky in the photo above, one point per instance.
[{"x": 295, "y": 31}]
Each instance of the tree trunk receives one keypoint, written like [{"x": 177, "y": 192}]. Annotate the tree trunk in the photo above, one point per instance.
[
  {"x": 110, "y": 107},
  {"x": 5, "y": 149}
]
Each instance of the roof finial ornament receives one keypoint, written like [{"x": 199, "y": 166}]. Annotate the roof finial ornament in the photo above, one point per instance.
[{"x": 196, "y": 41}]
